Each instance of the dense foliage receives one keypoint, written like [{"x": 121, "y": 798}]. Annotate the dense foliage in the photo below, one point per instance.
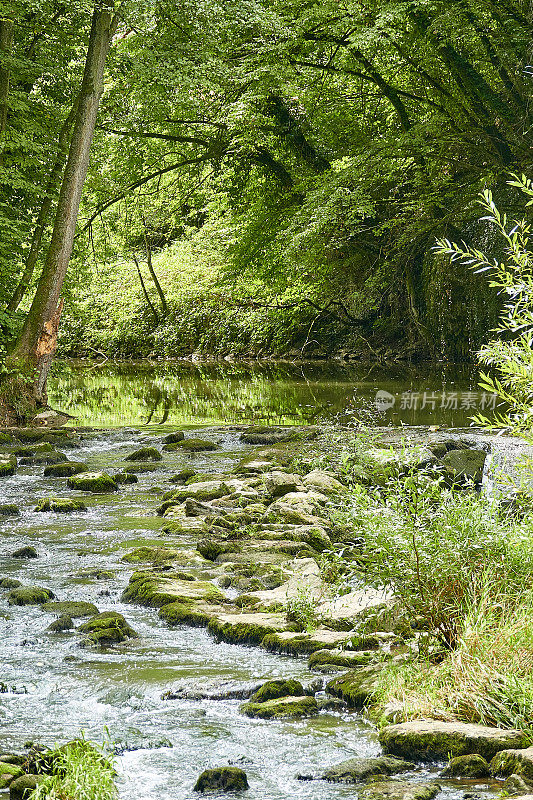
[{"x": 266, "y": 176}]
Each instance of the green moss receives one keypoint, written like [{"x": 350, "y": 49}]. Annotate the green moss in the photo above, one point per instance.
[
  {"x": 65, "y": 469},
  {"x": 155, "y": 555},
  {"x": 141, "y": 467},
  {"x": 9, "y": 510},
  {"x": 222, "y": 779},
  {"x": 8, "y": 466},
  {"x": 63, "y": 623},
  {"x": 172, "y": 438},
  {"x": 145, "y": 454},
  {"x": 107, "y": 628},
  {"x": 73, "y": 608},
  {"x": 340, "y": 658},
  {"x": 202, "y": 491},
  {"x": 355, "y": 687},
  {"x": 29, "y": 596},
  {"x": 281, "y": 708},
  {"x": 60, "y": 505},
  {"x": 96, "y": 482},
  {"x": 53, "y": 457},
  {"x": 273, "y": 690},
  {"x": 125, "y": 477},
  {"x": 470, "y": 766},
  {"x": 6, "y": 438},
  {"x": 9, "y": 583},
  {"x": 192, "y": 446},
  {"x": 8, "y": 772},
  {"x": 239, "y": 632},
  {"x": 183, "y": 475},
  {"x": 155, "y": 591},
  {"x": 184, "y": 614},
  {"x": 295, "y": 646},
  {"x": 212, "y": 548}
]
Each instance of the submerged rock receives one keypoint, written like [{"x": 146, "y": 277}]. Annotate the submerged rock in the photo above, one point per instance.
[
  {"x": 155, "y": 555},
  {"x": 145, "y": 454},
  {"x": 52, "y": 457},
  {"x": 29, "y": 596},
  {"x": 9, "y": 510},
  {"x": 360, "y": 769},
  {"x": 281, "y": 708},
  {"x": 9, "y": 583},
  {"x": 431, "y": 740},
  {"x": 399, "y": 790},
  {"x": 106, "y": 629},
  {"x": 25, "y": 552},
  {"x": 222, "y": 779},
  {"x": 220, "y": 691},
  {"x": 74, "y": 608},
  {"x": 96, "y": 482},
  {"x": 60, "y": 505},
  {"x": 65, "y": 469}
]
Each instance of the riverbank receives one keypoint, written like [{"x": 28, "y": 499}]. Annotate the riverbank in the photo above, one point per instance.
[{"x": 259, "y": 539}]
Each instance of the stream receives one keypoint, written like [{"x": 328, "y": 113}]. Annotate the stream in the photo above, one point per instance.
[{"x": 54, "y": 690}]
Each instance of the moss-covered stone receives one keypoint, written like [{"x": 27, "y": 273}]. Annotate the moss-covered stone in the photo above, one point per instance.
[
  {"x": 145, "y": 454},
  {"x": 106, "y": 629},
  {"x": 155, "y": 591},
  {"x": 8, "y": 772},
  {"x": 9, "y": 583},
  {"x": 222, "y": 779},
  {"x": 211, "y": 549},
  {"x": 74, "y": 608},
  {"x": 245, "y": 628},
  {"x": 183, "y": 475},
  {"x": 513, "y": 762},
  {"x": 95, "y": 572},
  {"x": 203, "y": 491},
  {"x": 191, "y": 614},
  {"x": 355, "y": 687},
  {"x": 125, "y": 477},
  {"x": 96, "y": 482},
  {"x": 154, "y": 555},
  {"x": 6, "y": 438},
  {"x": 340, "y": 658},
  {"x": 272, "y": 690},
  {"x": 470, "y": 766},
  {"x": 8, "y": 466},
  {"x": 173, "y": 438},
  {"x": 29, "y": 596},
  {"x": 27, "y": 452},
  {"x": 65, "y": 469},
  {"x": 140, "y": 467},
  {"x": 25, "y": 552},
  {"x": 22, "y": 787},
  {"x": 192, "y": 446},
  {"x": 9, "y": 510},
  {"x": 267, "y": 435},
  {"x": 399, "y": 790},
  {"x": 431, "y": 740},
  {"x": 296, "y": 643},
  {"x": 464, "y": 465},
  {"x": 62, "y": 623},
  {"x": 281, "y": 708},
  {"x": 51, "y": 457},
  {"x": 60, "y": 505},
  {"x": 354, "y": 770}
]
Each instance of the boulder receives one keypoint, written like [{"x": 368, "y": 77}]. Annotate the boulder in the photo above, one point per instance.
[
  {"x": 470, "y": 766},
  {"x": 354, "y": 770},
  {"x": 172, "y": 438},
  {"x": 52, "y": 457},
  {"x": 25, "y": 552},
  {"x": 323, "y": 482},
  {"x": 272, "y": 690},
  {"x": 106, "y": 629},
  {"x": 357, "y": 687},
  {"x": 96, "y": 482},
  {"x": 63, "y": 623},
  {"x": 222, "y": 779},
  {"x": 21, "y": 788},
  {"x": 8, "y": 466},
  {"x": 60, "y": 505},
  {"x": 125, "y": 478},
  {"x": 464, "y": 465},
  {"x": 280, "y": 708},
  {"x": 399, "y": 790},
  {"x": 9, "y": 510},
  {"x": 9, "y": 583},
  {"x": 431, "y": 740},
  {"x": 145, "y": 454},
  {"x": 65, "y": 469},
  {"x": 74, "y": 608},
  {"x": 29, "y": 596},
  {"x": 8, "y": 772},
  {"x": 192, "y": 446},
  {"x": 509, "y": 762},
  {"x": 278, "y": 484}
]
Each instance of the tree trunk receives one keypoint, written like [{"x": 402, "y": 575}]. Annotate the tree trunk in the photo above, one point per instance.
[
  {"x": 42, "y": 219},
  {"x": 37, "y": 342},
  {"x": 6, "y": 44}
]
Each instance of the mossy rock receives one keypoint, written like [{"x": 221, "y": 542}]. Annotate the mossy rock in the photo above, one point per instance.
[
  {"x": 222, "y": 779},
  {"x": 273, "y": 690},
  {"x": 141, "y": 467},
  {"x": 355, "y": 687},
  {"x": 52, "y": 457},
  {"x": 184, "y": 614},
  {"x": 203, "y": 491},
  {"x": 8, "y": 466},
  {"x": 155, "y": 591},
  {"x": 60, "y": 505},
  {"x": 28, "y": 452},
  {"x": 172, "y": 438},
  {"x": 340, "y": 658},
  {"x": 8, "y": 772},
  {"x": 145, "y": 454},
  {"x": 281, "y": 708},
  {"x": 470, "y": 766},
  {"x": 513, "y": 762},
  {"x": 65, "y": 469},
  {"x": 106, "y": 629},
  {"x": 9, "y": 583},
  {"x": 183, "y": 475},
  {"x": 293, "y": 642},
  {"x": 245, "y": 628},
  {"x": 95, "y": 572},
  {"x": 29, "y": 596},
  {"x": 192, "y": 446},
  {"x": 399, "y": 790},
  {"x": 9, "y": 510},
  {"x": 125, "y": 477},
  {"x": 21, "y": 788},
  {"x": 265, "y": 435},
  {"x": 432, "y": 740},
  {"x": 25, "y": 552},
  {"x": 74, "y": 608},
  {"x": 6, "y": 438},
  {"x": 211, "y": 549},
  {"x": 354, "y": 770},
  {"x": 63, "y": 623},
  {"x": 96, "y": 482},
  {"x": 155, "y": 555},
  {"x": 464, "y": 465}
]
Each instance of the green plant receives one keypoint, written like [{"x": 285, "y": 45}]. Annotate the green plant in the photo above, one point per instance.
[
  {"x": 301, "y": 609},
  {"x": 80, "y": 770}
]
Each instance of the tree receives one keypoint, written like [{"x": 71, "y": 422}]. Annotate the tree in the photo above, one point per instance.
[{"x": 36, "y": 344}]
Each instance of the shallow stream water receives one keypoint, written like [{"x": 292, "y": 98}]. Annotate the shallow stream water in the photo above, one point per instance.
[{"x": 56, "y": 690}]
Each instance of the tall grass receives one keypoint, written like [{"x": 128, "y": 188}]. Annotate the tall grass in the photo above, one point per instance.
[{"x": 80, "y": 772}]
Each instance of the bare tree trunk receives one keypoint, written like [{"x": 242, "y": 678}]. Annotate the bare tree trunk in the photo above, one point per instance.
[
  {"x": 145, "y": 291},
  {"x": 44, "y": 212},
  {"x": 151, "y": 270},
  {"x": 37, "y": 342}
]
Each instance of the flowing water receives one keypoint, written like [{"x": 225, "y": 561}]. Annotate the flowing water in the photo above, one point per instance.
[{"x": 55, "y": 690}]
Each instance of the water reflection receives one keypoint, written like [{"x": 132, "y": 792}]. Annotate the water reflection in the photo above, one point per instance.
[{"x": 139, "y": 393}]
